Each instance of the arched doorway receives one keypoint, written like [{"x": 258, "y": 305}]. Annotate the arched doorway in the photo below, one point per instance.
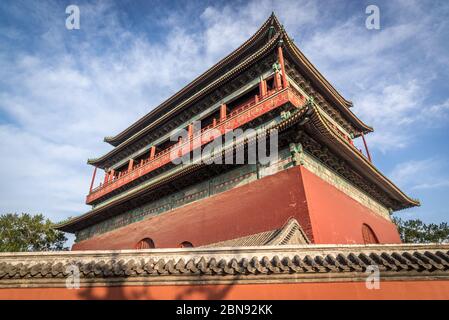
[
  {"x": 186, "y": 244},
  {"x": 369, "y": 237},
  {"x": 146, "y": 243}
]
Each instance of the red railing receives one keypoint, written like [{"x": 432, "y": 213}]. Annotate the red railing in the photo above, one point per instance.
[{"x": 241, "y": 115}]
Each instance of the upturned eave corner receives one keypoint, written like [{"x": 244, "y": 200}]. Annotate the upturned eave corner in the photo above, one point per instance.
[
  {"x": 369, "y": 169},
  {"x": 92, "y": 161},
  {"x": 60, "y": 225}
]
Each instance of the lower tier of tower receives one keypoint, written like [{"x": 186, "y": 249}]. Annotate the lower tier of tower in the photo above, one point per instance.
[{"x": 327, "y": 211}]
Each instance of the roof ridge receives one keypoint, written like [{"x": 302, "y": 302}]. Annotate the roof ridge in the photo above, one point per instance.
[
  {"x": 284, "y": 234},
  {"x": 273, "y": 237}
]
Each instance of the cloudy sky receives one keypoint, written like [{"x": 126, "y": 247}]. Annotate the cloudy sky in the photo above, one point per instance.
[{"x": 62, "y": 91}]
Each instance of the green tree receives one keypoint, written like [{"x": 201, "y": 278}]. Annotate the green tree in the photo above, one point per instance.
[
  {"x": 416, "y": 231},
  {"x": 25, "y": 232}
]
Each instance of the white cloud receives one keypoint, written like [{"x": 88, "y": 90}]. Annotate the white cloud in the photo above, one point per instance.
[
  {"x": 390, "y": 110},
  {"x": 433, "y": 184},
  {"x": 421, "y": 174},
  {"x": 437, "y": 114},
  {"x": 61, "y": 102},
  {"x": 40, "y": 176},
  {"x": 388, "y": 73},
  {"x": 229, "y": 26}
]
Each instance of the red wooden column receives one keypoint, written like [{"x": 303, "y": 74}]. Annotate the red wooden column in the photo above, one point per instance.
[
  {"x": 262, "y": 88},
  {"x": 277, "y": 81},
  {"x": 282, "y": 63},
  {"x": 93, "y": 180},
  {"x": 190, "y": 135},
  {"x": 130, "y": 165},
  {"x": 152, "y": 152},
  {"x": 179, "y": 146},
  {"x": 190, "y": 131},
  {"x": 223, "y": 112},
  {"x": 111, "y": 175},
  {"x": 366, "y": 147},
  {"x": 106, "y": 177}
]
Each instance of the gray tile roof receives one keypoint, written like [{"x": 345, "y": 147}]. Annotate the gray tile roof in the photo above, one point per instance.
[
  {"x": 290, "y": 233},
  {"x": 291, "y": 263}
]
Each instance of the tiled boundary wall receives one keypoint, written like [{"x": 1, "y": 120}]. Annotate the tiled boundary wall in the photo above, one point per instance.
[{"x": 407, "y": 271}]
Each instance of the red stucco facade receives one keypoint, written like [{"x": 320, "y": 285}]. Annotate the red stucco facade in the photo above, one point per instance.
[
  {"x": 302, "y": 291},
  {"x": 337, "y": 218},
  {"x": 326, "y": 214}
]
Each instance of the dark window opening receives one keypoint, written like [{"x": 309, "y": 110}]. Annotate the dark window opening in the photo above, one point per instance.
[
  {"x": 142, "y": 158},
  {"x": 120, "y": 170},
  {"x": 242, "y": 100},
  {"x": 186, "y": 244},
  {"x": 209, "y": 120},
  {"x": 270, "y": 84},
  {"x": 146, "y": 243},
  {"x": 165, "y": 145}
]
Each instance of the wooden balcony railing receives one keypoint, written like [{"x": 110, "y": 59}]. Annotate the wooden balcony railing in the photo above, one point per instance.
[{"x": 238, "y": 117}]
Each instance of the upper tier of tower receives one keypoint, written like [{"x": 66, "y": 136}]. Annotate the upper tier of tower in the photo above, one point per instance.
[{"x": 211, "y": 82}]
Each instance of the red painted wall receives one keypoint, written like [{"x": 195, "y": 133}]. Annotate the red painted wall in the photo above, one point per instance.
[
  {"x": 326, "y": 214},
  {"x": 337, "y": 218},
  {"x": 438, "y": 289},
  {"x": 262, "y": 205}
]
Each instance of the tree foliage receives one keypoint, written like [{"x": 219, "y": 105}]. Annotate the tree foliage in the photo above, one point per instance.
[
  {"x": 416, "y": 231},
  {"x": 25, "y": 232}
]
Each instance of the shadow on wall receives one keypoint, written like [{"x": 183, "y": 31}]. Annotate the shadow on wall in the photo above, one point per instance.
[
  {"x": 121, "y": 290},
  {"x": 209, "y": 292},
  {"x": 182, "y": 292}
]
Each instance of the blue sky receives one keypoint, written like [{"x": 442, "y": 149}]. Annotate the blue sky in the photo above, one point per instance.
[{"x": 62, "y": 91}]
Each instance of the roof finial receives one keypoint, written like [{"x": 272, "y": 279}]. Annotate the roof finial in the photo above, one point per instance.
[
  {"x": 281, "y": 41},
  {"x": 272, "y": 17}
]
